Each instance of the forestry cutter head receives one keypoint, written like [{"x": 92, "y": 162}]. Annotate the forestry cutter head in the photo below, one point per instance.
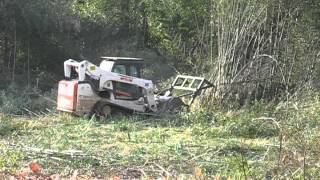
[{"x": 182, "y": 86}]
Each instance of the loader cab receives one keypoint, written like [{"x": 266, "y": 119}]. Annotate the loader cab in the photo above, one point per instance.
[
  {"x": 123, "y": 65},
  {"x": 126, "y": 66}
]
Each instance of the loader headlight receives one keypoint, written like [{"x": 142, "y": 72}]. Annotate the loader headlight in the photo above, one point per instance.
[
  {"x": 141, "y": 100},
  {"x": 156, "y": 90}
]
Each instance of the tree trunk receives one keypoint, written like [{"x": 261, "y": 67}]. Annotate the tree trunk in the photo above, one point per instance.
[
  {"x": 6, "y": 53},
  {"x": 28, "y": 64},
  {"x": 145, "y": 26},
  {"x": 125, "y": 18},
  {"x": 14, "y": 53}
]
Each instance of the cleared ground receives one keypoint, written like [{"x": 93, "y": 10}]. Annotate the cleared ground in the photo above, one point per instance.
[{"x": 129, "y": 147}]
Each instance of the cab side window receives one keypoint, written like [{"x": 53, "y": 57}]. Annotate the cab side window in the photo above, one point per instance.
[
  {"x": 133, "y": 71},
  {"x": 120, "y": 69},
  {"x": 126, "y": 69},
  {"x": 124, "y": 90}
]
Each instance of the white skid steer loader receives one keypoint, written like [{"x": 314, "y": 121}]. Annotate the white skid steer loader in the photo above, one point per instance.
[{"x": 117, "y": 85}]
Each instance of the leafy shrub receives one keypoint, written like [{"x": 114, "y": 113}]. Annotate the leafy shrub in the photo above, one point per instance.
[
  {"x": 197, "y": 117},
  {"x": 18, "y": 101},
  {"x": 251, "y": 122},
  {"x": 250, "y": 127},
  {"x": 299, "y": 122}
]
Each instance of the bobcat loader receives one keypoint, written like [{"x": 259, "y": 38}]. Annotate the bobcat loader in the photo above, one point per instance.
[{"x": 117, "y": 84}]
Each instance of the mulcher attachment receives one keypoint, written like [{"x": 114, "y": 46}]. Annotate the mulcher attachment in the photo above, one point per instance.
[{"x": 183, "y": 87}]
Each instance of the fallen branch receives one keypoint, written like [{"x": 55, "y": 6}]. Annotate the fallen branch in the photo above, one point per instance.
[
  {"x": 29, "y": 111},
  {"x": 206, "y": 153},
  {"x": 163, "y": 170},
  {"x": 45, "y": 98},
  {"x": 54, "y": 154}
]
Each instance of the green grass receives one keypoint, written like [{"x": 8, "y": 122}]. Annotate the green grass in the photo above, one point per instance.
[
  {"x": 134, "y": 146},
  {"x": 238, "y": 144}
]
